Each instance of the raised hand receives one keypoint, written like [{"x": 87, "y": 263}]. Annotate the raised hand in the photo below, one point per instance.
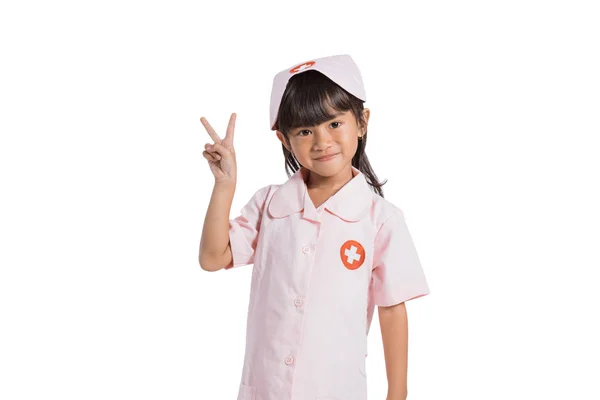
[{"x": 221, "y": 154}]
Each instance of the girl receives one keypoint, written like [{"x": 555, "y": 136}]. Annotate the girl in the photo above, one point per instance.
[{"x": 326, "y": 246}]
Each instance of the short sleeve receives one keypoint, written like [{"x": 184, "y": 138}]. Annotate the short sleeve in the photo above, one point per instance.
[
  {"x": 244, "y": 229},
  {"x": 397, "y": 273}
]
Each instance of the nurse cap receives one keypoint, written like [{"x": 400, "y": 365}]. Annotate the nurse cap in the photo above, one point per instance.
[{"x": 339, "y": 68}]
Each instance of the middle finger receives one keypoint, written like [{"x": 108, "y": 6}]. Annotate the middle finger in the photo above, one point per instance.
[{"x": 210, "y": 130}]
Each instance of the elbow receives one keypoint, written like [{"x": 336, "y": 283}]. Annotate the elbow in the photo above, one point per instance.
[
  {"x": 208, "y": 267},
  {"x": 210, "y": 263},
  {"x": 214, "y": 262},
  {"x": 206, "y": 264}
]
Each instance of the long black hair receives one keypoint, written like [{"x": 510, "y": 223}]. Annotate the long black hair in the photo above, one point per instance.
[{"x": 307, "y": 99}]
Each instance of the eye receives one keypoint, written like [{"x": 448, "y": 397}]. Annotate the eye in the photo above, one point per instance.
[{"x": 335, "y": 122}]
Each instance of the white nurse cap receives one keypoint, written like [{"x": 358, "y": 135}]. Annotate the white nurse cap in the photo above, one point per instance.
[{"x": 340, "y": 68}]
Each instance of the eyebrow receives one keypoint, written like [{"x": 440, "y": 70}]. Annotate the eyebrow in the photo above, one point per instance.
[{"x": 334, "y": 116}]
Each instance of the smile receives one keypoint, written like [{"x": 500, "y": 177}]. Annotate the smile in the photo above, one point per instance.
[{"x": 327, "y": 158}]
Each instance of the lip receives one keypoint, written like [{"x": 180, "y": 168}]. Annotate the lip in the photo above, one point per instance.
[{"x": 327, "y": 158}]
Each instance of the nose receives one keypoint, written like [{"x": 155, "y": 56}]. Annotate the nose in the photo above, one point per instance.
[{"x": 321, "y": 139}]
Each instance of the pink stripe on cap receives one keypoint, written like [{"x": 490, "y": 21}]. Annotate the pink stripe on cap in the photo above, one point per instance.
[{"x": 339, "y": 68}]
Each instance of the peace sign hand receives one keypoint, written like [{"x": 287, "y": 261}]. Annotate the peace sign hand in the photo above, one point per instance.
[{"x": 221, "y": 154}]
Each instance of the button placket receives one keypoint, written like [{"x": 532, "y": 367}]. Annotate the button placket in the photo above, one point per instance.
[{"x": 299, "y": 301}]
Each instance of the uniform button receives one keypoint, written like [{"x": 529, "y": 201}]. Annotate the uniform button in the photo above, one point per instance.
[
  {"x": 289, "y": 360},
  {"x": 298, "y": 302},
  {"x": 306, "y": 249}
]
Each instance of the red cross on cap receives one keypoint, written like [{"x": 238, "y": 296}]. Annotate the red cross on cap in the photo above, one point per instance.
[{"x": 302, "y": 67}]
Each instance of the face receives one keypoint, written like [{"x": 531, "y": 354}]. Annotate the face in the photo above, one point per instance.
[{"x": 337, "y": 139}]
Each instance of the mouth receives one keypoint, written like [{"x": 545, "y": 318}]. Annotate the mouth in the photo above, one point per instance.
[{"x": 327, "y": 158}]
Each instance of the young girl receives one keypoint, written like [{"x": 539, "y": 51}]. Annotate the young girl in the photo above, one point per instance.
[{"x": 326, "y": 248}]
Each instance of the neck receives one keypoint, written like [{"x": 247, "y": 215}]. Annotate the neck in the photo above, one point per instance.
[{"x": 316, "y": 181}]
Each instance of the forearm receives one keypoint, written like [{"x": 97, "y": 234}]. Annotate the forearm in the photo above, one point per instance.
[
  {"x": 394, "y": 332},
  {"x": 215, "y": 232},
  {"x": 396, "y": 395}
]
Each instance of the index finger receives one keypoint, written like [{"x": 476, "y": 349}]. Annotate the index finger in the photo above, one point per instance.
[
  {"x": 210, "y": 130},
  {"x": 231, "y": 127}
]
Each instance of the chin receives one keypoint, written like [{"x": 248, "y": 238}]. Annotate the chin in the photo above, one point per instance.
[{"x": 329, "y": 168}]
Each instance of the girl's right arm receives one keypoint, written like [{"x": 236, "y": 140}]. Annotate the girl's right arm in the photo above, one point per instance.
[{"x": 215, "y": 250}]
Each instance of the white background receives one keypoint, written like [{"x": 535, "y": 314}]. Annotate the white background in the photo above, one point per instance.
[{"x": 484, "y": 121}]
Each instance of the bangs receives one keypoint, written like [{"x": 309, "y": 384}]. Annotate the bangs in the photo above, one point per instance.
[{"x": 310, "y": 99}]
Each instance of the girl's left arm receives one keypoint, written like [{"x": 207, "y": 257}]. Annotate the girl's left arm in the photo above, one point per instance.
[{"x": 394, "y": 333}]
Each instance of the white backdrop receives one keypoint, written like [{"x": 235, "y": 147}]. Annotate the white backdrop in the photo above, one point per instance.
[{"x": 484, "y": 121}]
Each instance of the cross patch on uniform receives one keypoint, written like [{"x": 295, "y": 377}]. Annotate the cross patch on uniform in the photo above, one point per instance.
[{"x": 352, "y": 254}]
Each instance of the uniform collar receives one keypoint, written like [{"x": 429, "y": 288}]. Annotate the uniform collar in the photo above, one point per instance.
[{"x": 350, "y": 203}]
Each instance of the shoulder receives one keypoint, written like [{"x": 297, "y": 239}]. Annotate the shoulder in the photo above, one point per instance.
[
  {"x": 384, "y": 211},
  {"x": 265, "y": 191},
  {"x": 263, "y": 194}
]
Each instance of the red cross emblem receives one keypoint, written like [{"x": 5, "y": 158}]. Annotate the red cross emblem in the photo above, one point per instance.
[
  {"x": 302, "y": 67},
  {"x": 352, "y": 254}
]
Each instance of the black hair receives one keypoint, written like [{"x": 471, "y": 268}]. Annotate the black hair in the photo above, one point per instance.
[{"x": 307, "y": 99}]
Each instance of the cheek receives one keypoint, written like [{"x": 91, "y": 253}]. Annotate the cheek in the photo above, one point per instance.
[
  {"x": 300, "y": 148},
  {"x": 350, "y": 146}
]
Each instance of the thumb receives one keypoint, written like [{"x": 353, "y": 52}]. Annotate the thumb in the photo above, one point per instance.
[{"x": 221, "y": 149}]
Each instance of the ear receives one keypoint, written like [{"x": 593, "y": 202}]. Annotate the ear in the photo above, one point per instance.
[
  {"x": 283, "y": 141},
  {"x": 366, "y": 115}
]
